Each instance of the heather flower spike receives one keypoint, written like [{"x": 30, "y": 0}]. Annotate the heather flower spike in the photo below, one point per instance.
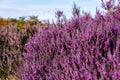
[
  {"x": 108, "y": 5},
  {"x": 59, "y": 13}
]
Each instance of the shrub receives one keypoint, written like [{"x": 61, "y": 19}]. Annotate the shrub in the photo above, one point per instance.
[
  {"x": 85, "y": 48},
  {"x": 12, "y": 41},
  {"x": 10, "y": 49}
]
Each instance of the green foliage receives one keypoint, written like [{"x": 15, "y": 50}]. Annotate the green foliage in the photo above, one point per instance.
[{"x": 21, "y": 22}]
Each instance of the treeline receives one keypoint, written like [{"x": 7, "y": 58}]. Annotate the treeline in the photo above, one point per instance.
[{"x": 21, "y": 21}]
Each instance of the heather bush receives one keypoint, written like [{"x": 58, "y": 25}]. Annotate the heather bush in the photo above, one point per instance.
[
  {"x": 12, "y": 41},
  {"x": 10, "y": 49},
  {"x": 84, "y": 48}
]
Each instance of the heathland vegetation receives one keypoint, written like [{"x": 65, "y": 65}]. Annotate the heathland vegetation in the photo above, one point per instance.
[{"x": 82, "y": 48}]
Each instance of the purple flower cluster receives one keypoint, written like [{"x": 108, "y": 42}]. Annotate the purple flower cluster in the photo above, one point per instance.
[
  {"x": 108, "y": 4},
  {"x": 59, "y": 13},
  {"x": 85, "y": 48}
]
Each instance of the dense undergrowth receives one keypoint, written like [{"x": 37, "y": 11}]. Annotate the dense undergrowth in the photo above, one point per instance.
[
  {"x": 12, "y": 41},
  {"x": 84, "y": 48}
]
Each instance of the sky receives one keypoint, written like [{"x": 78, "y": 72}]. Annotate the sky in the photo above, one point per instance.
[{"x": 45, "y": 9}]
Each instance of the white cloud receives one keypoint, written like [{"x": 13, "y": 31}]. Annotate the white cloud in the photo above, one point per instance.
[{"x": 8, "y": 6}]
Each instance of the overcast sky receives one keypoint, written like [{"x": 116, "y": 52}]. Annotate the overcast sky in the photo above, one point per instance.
[{"x": 45, "y": 9}]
